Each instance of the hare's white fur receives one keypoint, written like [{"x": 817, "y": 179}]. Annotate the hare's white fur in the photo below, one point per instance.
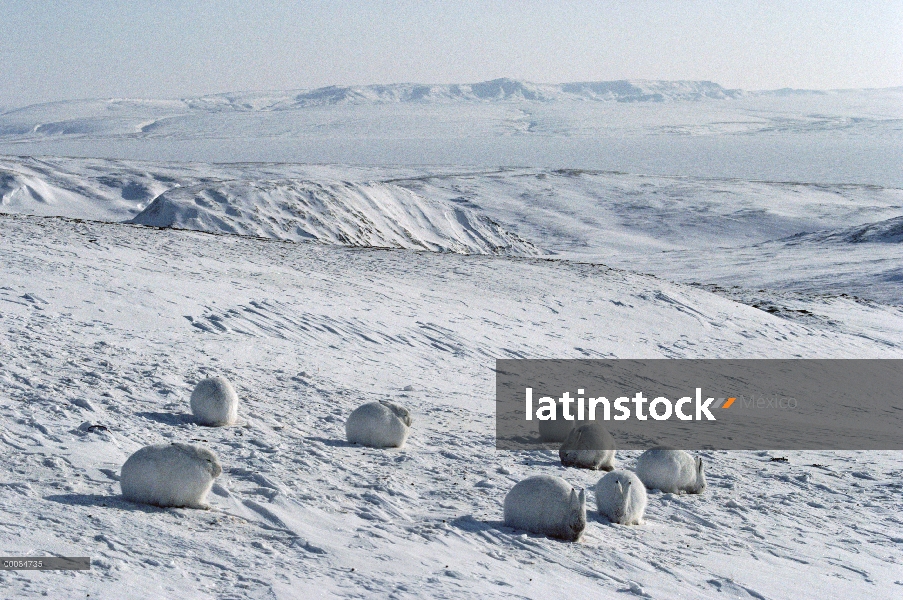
[
  {"x": 380, "y": 424},
  {"x": 170, "y": 475},
  {"x": 588, "y": 446},
  {"x": 621, "y": 496},
  {"x": 547, "y": 505},
  {"x": 214, "y": 402},
  {"x": 671, "y": 470}
]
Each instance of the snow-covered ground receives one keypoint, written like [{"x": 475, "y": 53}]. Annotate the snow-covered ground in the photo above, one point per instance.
[
  {"x": 316, "y": 288},
  {"x": 111, "y": 325}
]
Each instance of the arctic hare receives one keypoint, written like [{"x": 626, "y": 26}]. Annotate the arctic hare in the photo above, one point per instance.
[
  {"x": 556, "y": 430},
  {"x": 671, "y": 470},
  {"x": 170, "y": 475},
  {"x": 547, "y": 505},
  {"x": 621, "y": 497},
  {"x": 380, "y": 424},
  {"x": 588, "y": 446},
  {"x": 214, "y": 402}
]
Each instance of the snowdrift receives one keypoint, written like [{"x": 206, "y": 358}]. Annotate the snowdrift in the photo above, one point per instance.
[
  {"x": 888, "y": 231},
  {"x": 333, "y": 212}
]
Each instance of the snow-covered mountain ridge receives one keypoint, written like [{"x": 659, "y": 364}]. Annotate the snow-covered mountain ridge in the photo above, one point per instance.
[{"x": 496, "y": 90}]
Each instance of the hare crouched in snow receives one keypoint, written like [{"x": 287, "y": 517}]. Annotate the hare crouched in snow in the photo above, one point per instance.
[
  {"x": 547, "y": 505},
  {"x": 214, "y": 402},
  {"x": 671, "y": 470},
  {"x": 621, "y": 497},
  {"x": 170, "y": 475},
  {"x": 557, "y": 429},
  {"x": 588, "y": 446},
  {"x": 379, "y": 425}
]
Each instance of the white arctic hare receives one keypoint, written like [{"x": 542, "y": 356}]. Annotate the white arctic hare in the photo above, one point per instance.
[
  {"x": 621, "y": 497},
  {"x": 588, "y": 446},
  {"x": 214, "y": 402},
  {"x": 380, "y": 424},
  {"x": 170, "y": 475},
  {"x": 547, "y": 505},
  {"x": 671, "y": 470}
]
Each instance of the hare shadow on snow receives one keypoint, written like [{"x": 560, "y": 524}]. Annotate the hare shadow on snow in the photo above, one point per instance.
[
  {"x": 102, "y": 501},
  {"x": 335, "y": 442},
  {"x": 168, "y": 418},
  {"x": 472, "y": 525},
  {"x": 593, "y": 516}
]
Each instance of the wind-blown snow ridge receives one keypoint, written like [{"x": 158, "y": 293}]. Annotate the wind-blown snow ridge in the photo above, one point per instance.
[
  {"x": 334, "y": 212},
  {"x": 888, "y": 231}
]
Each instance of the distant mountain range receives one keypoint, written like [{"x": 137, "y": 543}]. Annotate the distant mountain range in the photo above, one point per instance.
[
  {"x": 496, "y": 90},
  {"x": 513, "y": 90}
]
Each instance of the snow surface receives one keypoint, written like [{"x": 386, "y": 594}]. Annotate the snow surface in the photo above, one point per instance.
[
  {"x": 124, "y": 320},
  {"x": 316, "y": 288}
]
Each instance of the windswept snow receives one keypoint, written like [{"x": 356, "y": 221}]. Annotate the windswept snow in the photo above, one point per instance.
[
  {"x": 841, "y": 238},
  {"x": 374, "y": 215},
  {"x": 101, "y": 352},
  {"x": 889, "y": 231}
]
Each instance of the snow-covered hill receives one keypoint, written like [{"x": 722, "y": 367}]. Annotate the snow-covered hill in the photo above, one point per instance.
[
  {"x": 104, "y": 328},
  {"x": 370, "y": 215},
  {"x": 889, "y": 231},
  {"x": 709, "y": 231}
]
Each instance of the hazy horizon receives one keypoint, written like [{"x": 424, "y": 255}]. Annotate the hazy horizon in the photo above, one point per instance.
[{"x": 72, "y": 50}]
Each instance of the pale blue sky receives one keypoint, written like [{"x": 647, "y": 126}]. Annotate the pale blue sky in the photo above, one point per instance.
[{"x": 81, "y": 49}]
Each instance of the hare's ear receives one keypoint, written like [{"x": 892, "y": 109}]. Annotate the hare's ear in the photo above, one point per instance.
[
  {"x": 581, "y": 499},
  {"x": 620, "y": 489},
  {"x": 698, "y": 465}
]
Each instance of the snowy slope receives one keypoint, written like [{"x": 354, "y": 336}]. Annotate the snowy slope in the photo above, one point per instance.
[
  {"x": 889, "y": 231},
  {"x": 797, "y": 237},
  {"x": 123, "y": 320},
  {"x": 839, "y": 239},
  {"x": 371, "y": 215}
]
